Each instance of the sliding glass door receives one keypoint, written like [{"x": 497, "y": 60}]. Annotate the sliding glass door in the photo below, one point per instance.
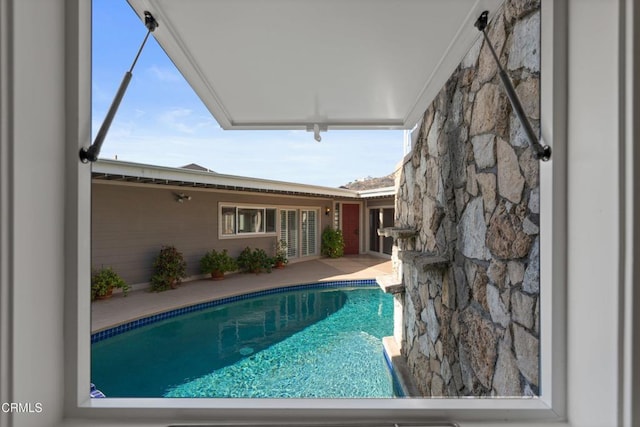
[
  {"x": 299, "y": 229},
  {"x": 380, "y": 218}
]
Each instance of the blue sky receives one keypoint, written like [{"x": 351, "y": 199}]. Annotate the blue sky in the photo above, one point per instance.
[{"x": 161, "y": 120}]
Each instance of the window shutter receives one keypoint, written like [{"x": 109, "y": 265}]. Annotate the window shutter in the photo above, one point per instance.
[
  {"x": 308, "y": 233},
  {"x": 292, "y": 241},
  {"x": 313, "y": 232},
  {"x": 289, "y": 231}
]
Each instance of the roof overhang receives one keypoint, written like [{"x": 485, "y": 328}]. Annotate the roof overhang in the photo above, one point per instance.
[
  {"x": 293, "y": 64},
  {"x": 116, "y": 171}
]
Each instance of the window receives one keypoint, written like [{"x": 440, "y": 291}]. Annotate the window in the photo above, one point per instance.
[
  {"x": 441, "y": 408},
  {"x": 239, "y": 220},
  {"x": 228, "y": 220},
  {"x": 250, "y": 220},
  {"x": 270, "y": 220}
]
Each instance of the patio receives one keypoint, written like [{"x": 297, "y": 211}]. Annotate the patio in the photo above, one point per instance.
[{"x": 141, "y": 303}]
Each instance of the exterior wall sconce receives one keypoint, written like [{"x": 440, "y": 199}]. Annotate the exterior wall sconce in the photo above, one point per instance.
[
  {"x": 327, "y": 211},
  {"x": 181, "y": 197}
]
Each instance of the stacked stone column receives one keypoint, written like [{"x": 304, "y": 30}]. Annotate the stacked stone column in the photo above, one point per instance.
[{"x": 471, "y": 191}]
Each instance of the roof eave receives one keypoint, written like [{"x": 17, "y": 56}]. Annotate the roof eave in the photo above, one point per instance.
[{"x": 172, "y": 175}]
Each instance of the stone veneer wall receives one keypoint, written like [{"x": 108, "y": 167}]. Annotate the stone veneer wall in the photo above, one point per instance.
[{"x": 470, "y": 190}]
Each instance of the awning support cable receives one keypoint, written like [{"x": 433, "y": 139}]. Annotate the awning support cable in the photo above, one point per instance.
[
  {"x": 542, "y": 152},
  {"x": 91, "y": 154}
]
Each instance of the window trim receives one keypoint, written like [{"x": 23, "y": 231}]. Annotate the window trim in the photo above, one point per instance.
[
  {"x": 237, "y": 234},
  {"x": 551, "y": 404}
]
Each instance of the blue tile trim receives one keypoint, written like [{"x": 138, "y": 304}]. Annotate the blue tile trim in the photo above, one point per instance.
[
  {"x": 398, "y": 390},
  {"x": 117, "y": 330}
]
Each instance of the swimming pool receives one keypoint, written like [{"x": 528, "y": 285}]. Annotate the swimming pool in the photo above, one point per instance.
[{"x": 304, "y": 342}]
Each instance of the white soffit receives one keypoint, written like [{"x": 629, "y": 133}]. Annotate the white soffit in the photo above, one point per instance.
[{"x": 290, "y": 64}]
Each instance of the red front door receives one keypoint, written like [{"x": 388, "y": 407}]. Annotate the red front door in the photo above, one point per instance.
[{"x": 351, "y": 228}]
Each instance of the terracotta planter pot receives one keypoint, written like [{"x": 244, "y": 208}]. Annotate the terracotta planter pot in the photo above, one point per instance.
[
  {"x": 279, "y": 265},
  {"x": 217, "y": 275},
  {"x": 108, "y": 295}
]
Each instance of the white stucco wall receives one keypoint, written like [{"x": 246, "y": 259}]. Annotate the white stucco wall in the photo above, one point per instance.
[
  {"x": 34, "y": 219},
  {"x": 594, "y": 202}
]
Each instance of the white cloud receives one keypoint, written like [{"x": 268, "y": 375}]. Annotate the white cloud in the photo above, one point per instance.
[
  {"x": 184, "y": 121},
  {"x": 340, "y": 158}
]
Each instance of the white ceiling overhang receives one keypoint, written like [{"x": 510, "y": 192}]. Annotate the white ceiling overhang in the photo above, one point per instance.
[{"x": 291, "y": 64}]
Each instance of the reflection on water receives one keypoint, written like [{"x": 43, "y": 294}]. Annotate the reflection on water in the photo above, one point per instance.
[{"x": 145, "y": 361}]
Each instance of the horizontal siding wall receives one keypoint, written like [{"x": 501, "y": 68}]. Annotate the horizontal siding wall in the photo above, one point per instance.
[
  {"x": 381, "y": 203},
  {"x": 131, "y": 223}
]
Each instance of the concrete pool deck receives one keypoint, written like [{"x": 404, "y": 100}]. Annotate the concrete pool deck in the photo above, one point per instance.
[{"x": 142, "y": 303}]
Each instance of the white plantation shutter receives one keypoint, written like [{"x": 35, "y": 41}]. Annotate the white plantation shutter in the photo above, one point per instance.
[
  {"x": 305, "y": 247},
  {"x": 289, "y": 231},
  {"x": 292, "y": 241},
  {"x": 309, "y": 232},
  {"x": 313, "y": 232},
  {"x": 283, "y": 225}
]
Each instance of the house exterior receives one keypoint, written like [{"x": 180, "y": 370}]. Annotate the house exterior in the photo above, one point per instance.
[
  {"x": 589, "y": 113},
  {"x": 136, "y": 209}
]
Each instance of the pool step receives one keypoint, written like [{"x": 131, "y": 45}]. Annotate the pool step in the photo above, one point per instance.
[
  {"x": 390, "y": 284},
  {"x": 400, "y": 368}
]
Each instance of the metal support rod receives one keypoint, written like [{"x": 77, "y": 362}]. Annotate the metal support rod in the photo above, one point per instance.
[
  {"x": 91, "y": 154},
  {"x": 542, "y": 152}
]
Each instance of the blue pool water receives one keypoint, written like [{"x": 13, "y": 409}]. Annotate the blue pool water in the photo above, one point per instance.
[{"x": 303, "y": 343}]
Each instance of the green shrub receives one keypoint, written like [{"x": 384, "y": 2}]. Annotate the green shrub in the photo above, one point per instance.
[
  {"x": 281, "y": 252},
  {"x": 219, "y": 262},
  {"x": 169, "y": 268},
  {"x": 254, "y": 261},
  {"x": 104, "y": 280},
  {"x": 332, "y": 243}
]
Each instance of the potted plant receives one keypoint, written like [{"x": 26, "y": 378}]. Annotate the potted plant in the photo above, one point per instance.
[
  {"x": 217, "y": 263},
  {"x": 332, "y": 243},
  {"x": 104, "y": 280},
  {"x": 280, "y": 259},
  {"x": 254, "y": 261},
  {"x": 169, "y": 268}
]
